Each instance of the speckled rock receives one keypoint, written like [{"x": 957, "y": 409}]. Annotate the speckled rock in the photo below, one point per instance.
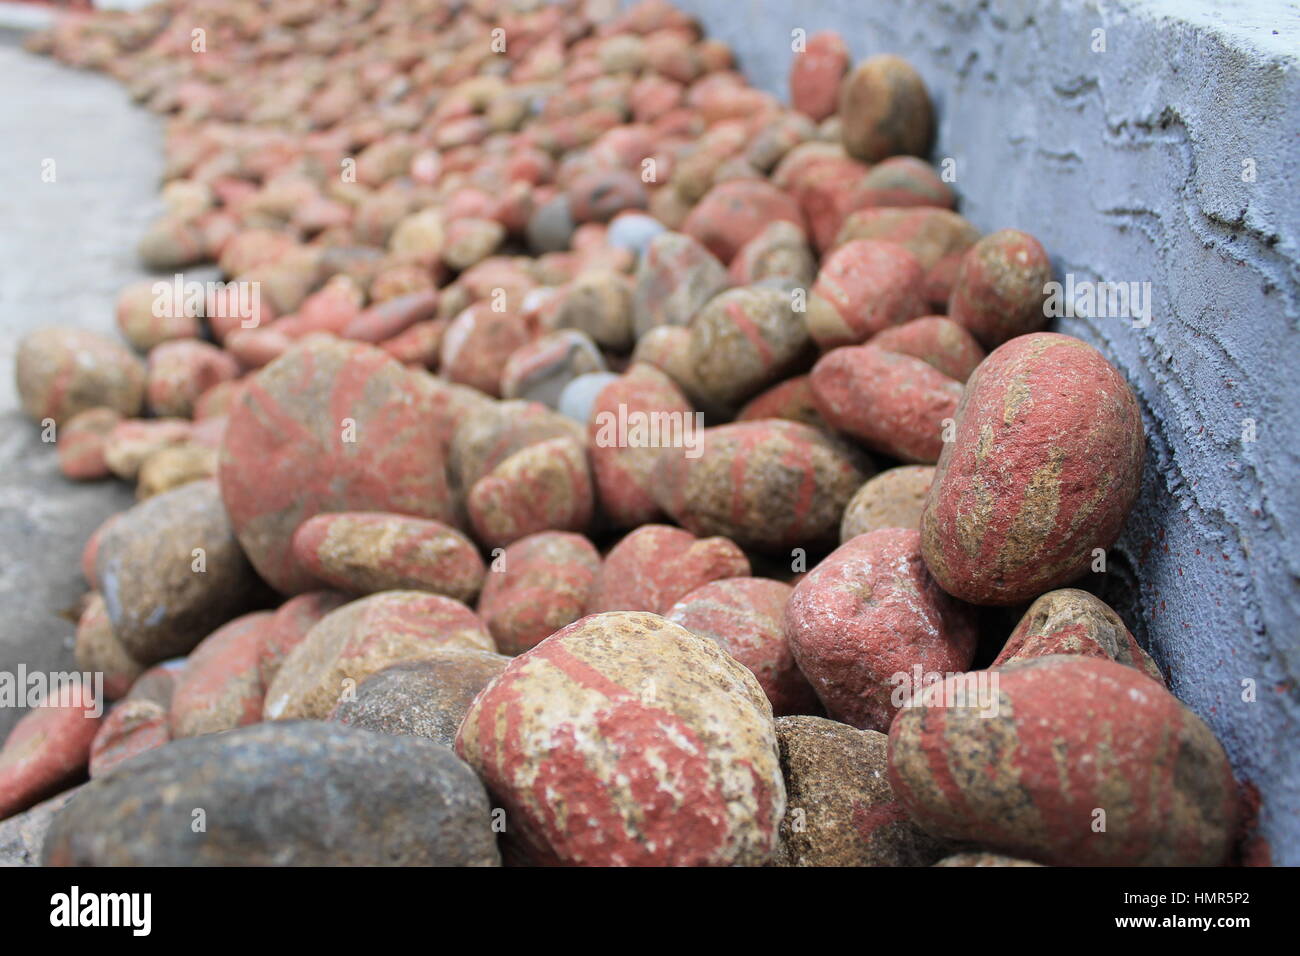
[
  {"x": 290, "y": 624},
  {"x": 1109, "y": 769},
  {"x": 182, "y": 370},
  {"x": 894, "y": 498},
  {"x": 330, "y": 426},
  {"x": 303, "y": 794},
  {"x": 863, "y": 287},
  {"x": 733, "y": 213},
  {"x": 540, "y": 370},
  {"x": 22, "y": 836},
  {"x": 349, "y": 644},
  {"x": 840, "y": 809},
  {"x": 147, "y": 315},
  {"x": 158, "y": 683},
  {"x": 779, "y": 251},
  {"x": 488, "y": 434},
  {"x": 791, "y": 400},
  {"x": 132, "y": 727},
  {"x": 658, "y": 746},
  {"x": 745, "y": 617},
  {"x": 599, "y": 304},
  {"x": 674, "y": 279},
  {"x": 362, "y": 552},
  {"x": 171, "y": 572},
  {"x": 1070, "y": 621},
  {"x": 1000, "y": 289},
  {"x": 98, "y": 650},
  {"x": 1043, "y": 468},
  {"x": 744, "y": 340},
  {"x": 537, "y": 585},
  {"x": 767, "y": 484},
  {"x": 477, "y": 345},
  {"x": 424, "y": 698},
  {"x": 863, "y": 619},
  {"x": 132, "y": 442},
  {"x": 173, "y": 466},
  {"x": 816, "y": 72},
  {"x": 62, "y": 371},
  {"x": 885, "y": 110},
  {"x": 545, "y": 486},
  {"x": 930, "y": 233}
]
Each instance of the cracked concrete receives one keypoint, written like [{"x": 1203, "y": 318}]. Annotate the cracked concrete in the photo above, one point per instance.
[
  {"x": 1128, "y": 164},
  {"x": 66, "y": 249}
]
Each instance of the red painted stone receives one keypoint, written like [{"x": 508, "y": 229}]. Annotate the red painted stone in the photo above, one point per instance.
[
  {"x": 536, "y": 586},
  {"x": 46, "y": 750},
  {"x": 815, "y": 74},
  {"x": 220, "y": 687},
  {"x": 290, "y": 624},
  {"x": 864, "y": 287},
  {"x": 659, "y": 748},
  {"x": 362, "y": 552},
  {"x": 81, "y": 444},
  {"x": 332, "y": 426},
  {"x": 746, "y": 617},
  {"x": 656, "y": 565},
  {"x": 733, "y": 213},
  {"x": 1000, "y": 292},
  {"x": 1043, "y": 469},
  {"x": 1071, "y": 736},
  {"x": 132, "y": 727},
  {"x": 895, "y": 404},
  {"x": 869, "y": 613},
  {"x": 624, "y": 471}
]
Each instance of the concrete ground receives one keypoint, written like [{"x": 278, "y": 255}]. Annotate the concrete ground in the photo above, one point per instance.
[{"x": 65, "y": 250}]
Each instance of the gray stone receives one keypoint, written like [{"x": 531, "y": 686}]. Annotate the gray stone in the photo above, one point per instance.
[
  {"x": 22, "y": 837},
  {"x": 281, "y": 794},
  {"x": 551, "y": 227},
  {"x": 424, "y": 698},
  {"x": 160, "y": 601},
  {"x": 633, "y": 231},
  {"x": 579, "y": 396}
]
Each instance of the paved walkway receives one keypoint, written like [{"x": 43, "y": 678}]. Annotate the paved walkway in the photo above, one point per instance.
[{"x": 65, "y": 249}]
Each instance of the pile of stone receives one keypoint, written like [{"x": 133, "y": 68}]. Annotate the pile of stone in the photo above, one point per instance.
[{"x": 586, "y": 459}]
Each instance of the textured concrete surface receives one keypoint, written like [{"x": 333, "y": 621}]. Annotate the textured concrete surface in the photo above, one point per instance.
[
  {"x": 1128, "y": 164},
  {"x": 65, "y": 250}
]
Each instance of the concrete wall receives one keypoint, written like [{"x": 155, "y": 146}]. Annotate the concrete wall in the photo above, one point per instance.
[{"x": 1128, "y": 165}]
